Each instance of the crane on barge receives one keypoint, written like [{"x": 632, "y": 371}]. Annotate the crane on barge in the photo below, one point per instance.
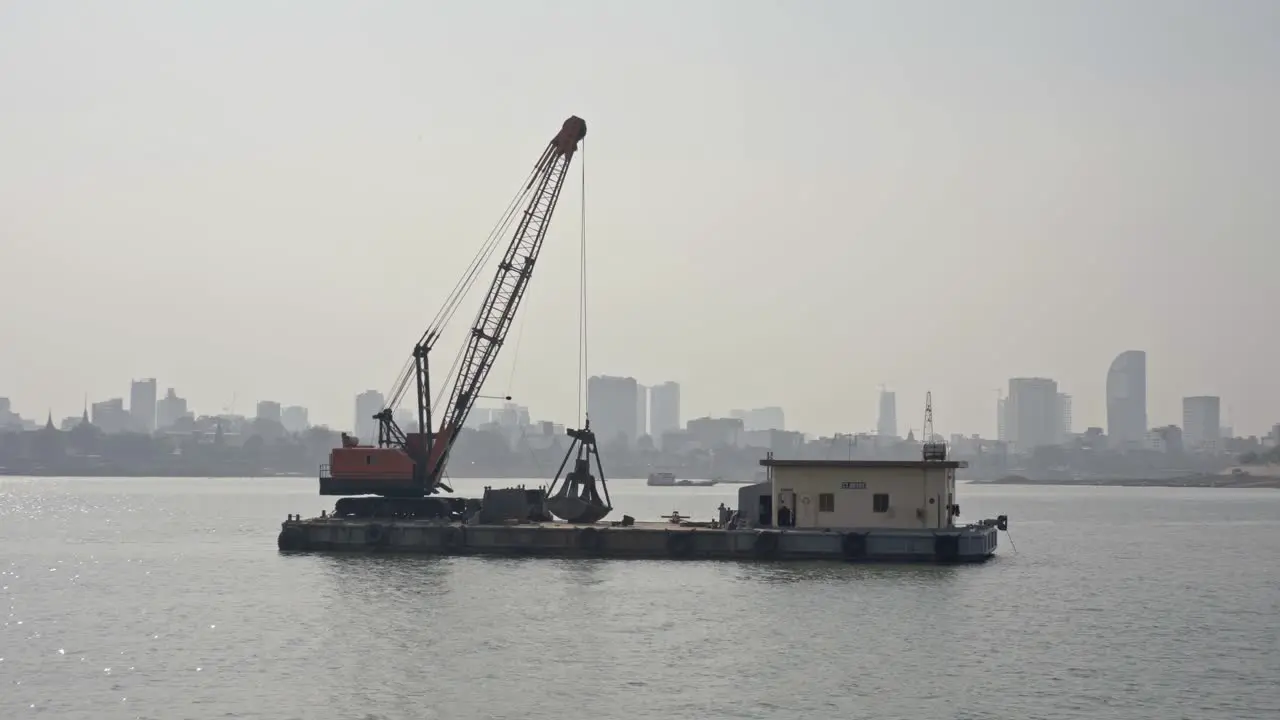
[{"x": 404, "y": 471}]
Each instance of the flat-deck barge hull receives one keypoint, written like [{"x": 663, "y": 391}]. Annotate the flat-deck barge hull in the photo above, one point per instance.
[{"x": 975, "y": 543}]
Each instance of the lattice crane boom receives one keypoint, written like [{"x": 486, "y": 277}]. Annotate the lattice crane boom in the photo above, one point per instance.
[{"x": 498, "y": 310}]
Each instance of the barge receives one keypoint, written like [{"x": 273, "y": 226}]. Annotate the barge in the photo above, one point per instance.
[
  {"x": 975, "y": 543},
  {"x": 858, "y": 510}
]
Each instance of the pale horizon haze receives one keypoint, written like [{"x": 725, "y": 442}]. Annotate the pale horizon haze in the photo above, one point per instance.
[{"x": 786, "y": 203}]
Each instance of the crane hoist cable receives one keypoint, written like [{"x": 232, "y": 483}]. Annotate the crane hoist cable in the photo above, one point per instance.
[
  {"x": 582, "y": 298},
  {"x": 582, "y": 290},
  {"x": 582, "y": 294},
  {"x": 582, "y": 497},
  {"x": 515, "y": 355}
]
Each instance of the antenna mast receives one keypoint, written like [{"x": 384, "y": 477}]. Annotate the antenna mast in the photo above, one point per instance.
[{"x": 933, "y": 451}]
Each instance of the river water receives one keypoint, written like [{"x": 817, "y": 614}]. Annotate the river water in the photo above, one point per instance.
[{"x": 133, "y": 598}]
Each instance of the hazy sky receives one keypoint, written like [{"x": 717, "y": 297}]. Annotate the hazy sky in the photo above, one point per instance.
[{"x": 787, "y": 202}]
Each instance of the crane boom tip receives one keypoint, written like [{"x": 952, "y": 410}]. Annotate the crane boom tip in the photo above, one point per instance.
[{"x": 571, "y": 132}]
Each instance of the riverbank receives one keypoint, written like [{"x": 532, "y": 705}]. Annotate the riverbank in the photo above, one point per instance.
[
  {"x": 1266, "y": 477},
  {"x": 177, "y": 475}
]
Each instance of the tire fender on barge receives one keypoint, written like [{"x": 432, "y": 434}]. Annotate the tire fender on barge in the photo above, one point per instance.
[
  {"x": 679, "y": 543},
  {"x": 766, "y": 543},
  {"x": 292, "y": 538},
  {"x": 376, "y": 535},
  {"x": 589, "y": 539},
  {"x": 854, "y": 545},
  {"x": 453, "y": 538},
  {"x": 946, "y": 548}
]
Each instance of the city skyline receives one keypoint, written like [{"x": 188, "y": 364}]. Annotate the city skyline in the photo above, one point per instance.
[
  {"x": 511, "y": 442},
  {"x": 1043, "y": 414},
  {"x": 1161, "y": 409}
]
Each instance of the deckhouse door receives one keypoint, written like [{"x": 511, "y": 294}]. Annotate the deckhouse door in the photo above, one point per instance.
[{"x": 808, "y": 512}]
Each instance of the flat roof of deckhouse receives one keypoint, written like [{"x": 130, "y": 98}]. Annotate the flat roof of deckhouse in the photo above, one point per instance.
[{"x": 864, "y": 464}]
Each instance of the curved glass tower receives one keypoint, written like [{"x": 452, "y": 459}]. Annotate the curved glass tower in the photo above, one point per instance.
[{"x": 1127, "y": 399}]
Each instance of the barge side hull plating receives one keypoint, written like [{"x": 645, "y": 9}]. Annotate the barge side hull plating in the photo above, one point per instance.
[{"x": 639, "y": 541}]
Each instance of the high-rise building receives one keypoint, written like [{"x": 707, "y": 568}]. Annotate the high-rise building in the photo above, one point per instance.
[
  {"x": 478, "y": 418},
  {"x": 170, "y": 409},
  {"x": 1127, "y": 400},
  {"x": 8, "y": 418},
  {"x": 110, "y": 416},
  {"x": 765, "y": 418},
  {"x": 294, "y": 418},
  {"x": 513, "y": 416},
  {"x": 368, "y": 404},
  {"x": 714, "y": 433},
  {"x": 142, "y": 404},
  {"x": 887, "y": 423},
  {"x": 269, "y": 410},
  {"x": 1064, "y": 417},
  {"x": 1202, "y": 423},
  {"x": 1034, "y": 417},
  {"x": 407, "y": 419},
  {"x": 1002, "y": 420},
  {"x": 642, "y": 409},
  {"x": 611, "y": 404},
  {"x": 1167, "y": 439},
  {"x": 664, "y": 409}
]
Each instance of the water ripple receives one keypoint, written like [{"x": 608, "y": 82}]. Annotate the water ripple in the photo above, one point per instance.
[{"x": 164, "y": 599}]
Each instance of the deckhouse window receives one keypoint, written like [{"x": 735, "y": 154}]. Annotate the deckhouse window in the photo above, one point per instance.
[
  {"x": 826, "y": 502},
  {"x": 880, "y": 502}
]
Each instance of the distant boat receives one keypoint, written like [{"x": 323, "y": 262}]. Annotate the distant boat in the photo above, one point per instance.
[
  {"x": 666, "y": 479},
  {"x": 662, "y": 479}
]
